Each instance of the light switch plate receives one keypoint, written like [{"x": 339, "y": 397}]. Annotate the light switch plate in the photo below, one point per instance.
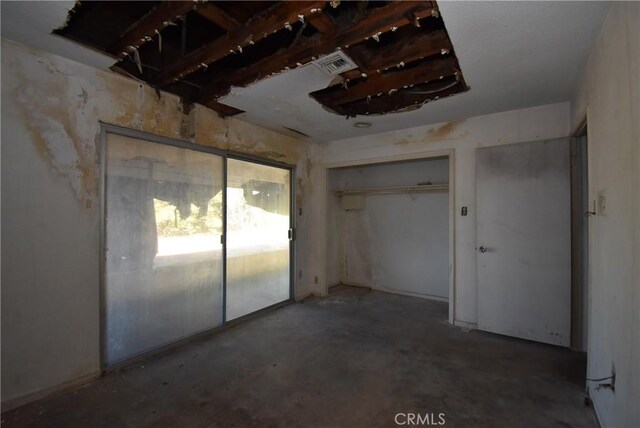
[{"x": 602, "y": 203}]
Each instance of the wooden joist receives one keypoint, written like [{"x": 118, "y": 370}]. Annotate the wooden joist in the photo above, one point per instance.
[
  {"x": 384, "y": 83},
  {"x": 218, "y": 16},
  {"x": 223, "y": 110},
  {"x": 397, "y": 46},
  {"x": 403, "y": 99},
  {"x": 322, "y": 22},
  {"x": 407, "y": 50},
  {"x": 145, "y": 29},
  {"x": 374, "y": 23},
  {"x": 273, "y": 19}
]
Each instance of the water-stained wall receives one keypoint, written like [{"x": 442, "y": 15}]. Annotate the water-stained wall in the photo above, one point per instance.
[
  {"x": 51, "y": 110},
  {"x": 461, "y": 139},
  {"x": 609, "y": 98},
  {"x": 396, "y": 241}
]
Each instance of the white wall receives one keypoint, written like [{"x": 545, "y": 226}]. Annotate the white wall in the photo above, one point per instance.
[
  {"x": 398, "y": 242},
  {"x": 608, "y": 96},
  {"x": 51, "y": 108},
  {"x": 463, "y": 137}
]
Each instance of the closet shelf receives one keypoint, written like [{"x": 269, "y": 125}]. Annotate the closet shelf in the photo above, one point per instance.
[{"x": 443, "y": 187}]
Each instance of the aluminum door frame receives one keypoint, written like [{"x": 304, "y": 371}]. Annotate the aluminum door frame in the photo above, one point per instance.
[{"x": 107, "y": 128}]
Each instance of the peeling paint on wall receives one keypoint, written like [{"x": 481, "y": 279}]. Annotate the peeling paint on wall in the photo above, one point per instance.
[
  {"x": 56, "y": 133},
  {"x": 443, "y": 131},
  {"x": 436, "y": 133},
  {"x": 461, "y": 138},
  {"x": 51, "y": 111},
  {"x": 61, "y": 104}
]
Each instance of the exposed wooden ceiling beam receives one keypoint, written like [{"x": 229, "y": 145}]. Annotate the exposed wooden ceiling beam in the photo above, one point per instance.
[
  {"x": 145, "y": 29},
  {"x": 223, "y": 110},
  {"x": 218, "y": 16},
  {"x": 403, "y": 100},
  {"x": 266, "y": 23},
  {"x": 406, "y": 50},
  {"x": 322, "y": 22},
  {"x": 375, "y": 22},
  {"x": 384, "y": 83}
]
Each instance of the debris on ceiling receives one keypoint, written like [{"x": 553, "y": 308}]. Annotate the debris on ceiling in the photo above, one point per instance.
[{"x": 387, "y": 56}]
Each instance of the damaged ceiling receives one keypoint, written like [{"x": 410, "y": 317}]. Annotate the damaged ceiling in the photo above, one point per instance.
[
  {"x": 513, "y": 55},
  {"x": 383, "y": 56}
]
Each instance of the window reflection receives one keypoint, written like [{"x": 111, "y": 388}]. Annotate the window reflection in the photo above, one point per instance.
[
  {"x": 163, "y": 251},
  {"x": 258, "y": 203}
]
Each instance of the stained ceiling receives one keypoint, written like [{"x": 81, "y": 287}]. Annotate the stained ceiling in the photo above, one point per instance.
[{"x": 511, "y": 55}]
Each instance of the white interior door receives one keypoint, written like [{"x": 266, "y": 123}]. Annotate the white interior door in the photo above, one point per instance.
[{"x": 524, "y": 240}]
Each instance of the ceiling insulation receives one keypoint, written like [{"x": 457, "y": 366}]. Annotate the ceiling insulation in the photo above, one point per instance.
[{"x": 397, "y": 54}]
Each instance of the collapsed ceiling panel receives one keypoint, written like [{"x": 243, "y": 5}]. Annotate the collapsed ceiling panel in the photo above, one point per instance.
[{"x": 392, "y": 56}]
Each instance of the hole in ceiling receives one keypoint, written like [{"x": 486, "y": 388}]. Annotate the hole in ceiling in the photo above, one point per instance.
[{"x": 389, "y": 56}]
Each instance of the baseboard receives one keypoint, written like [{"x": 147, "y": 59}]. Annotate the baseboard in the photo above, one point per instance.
[
  {"x": 465, "y": 324},
  {"x": 305, "y": 296},
  {"x": 391, "y": 291},
  {"x": 595, "y": 409},
  {"x": 353, "y": 284},
  {"x": 49, "y": 392},
  {"x": 407, "y": 293}
]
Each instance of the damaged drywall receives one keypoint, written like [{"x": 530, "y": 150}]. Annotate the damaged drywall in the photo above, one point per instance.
[
  {"x": 51, "y": 111},
  {"x": 389, "y": 72},
  {"x": 63, "y": 119},
  {"x": 460, "y": 138},
  {"x": 609, "y": 99}
]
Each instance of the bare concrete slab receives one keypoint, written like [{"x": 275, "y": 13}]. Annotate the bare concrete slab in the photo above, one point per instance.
[{"x": 355, "y": 359}]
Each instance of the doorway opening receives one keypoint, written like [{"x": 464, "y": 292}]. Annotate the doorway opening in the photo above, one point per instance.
[
  {"x": 390, "y": 226},
  {"x": 580, "y": 213}
]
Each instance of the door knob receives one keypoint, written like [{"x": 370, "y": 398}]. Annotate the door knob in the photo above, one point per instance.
[{"x": 483, "y": 249}]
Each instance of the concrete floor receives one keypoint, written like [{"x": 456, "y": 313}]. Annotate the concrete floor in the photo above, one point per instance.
[{"x": 355, "y": 359}]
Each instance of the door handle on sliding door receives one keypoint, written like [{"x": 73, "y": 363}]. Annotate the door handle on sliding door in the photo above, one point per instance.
[
  {"x": 483, "y": 249},
  {"x": 292, "y": 234}
]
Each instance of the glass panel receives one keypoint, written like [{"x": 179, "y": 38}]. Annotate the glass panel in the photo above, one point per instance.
[
  {"x": 258, "y": 204},
  {"x": 163, "y": 252}
]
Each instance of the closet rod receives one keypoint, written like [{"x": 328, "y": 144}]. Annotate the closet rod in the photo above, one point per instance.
[{"x": 390, "y": 190}]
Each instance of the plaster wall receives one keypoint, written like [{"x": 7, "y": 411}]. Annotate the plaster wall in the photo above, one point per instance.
[
  {"x": 51, "y": 110},
  {"x": 461, "y": 139},
  {"x": 609, "y": 98}
]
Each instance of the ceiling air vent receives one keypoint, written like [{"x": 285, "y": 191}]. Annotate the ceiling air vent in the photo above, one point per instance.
[{"x": 335, "y": 63}]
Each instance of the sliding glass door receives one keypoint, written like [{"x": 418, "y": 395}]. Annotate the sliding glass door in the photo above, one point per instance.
[
  {"x": 166, "y": 211},
  {"x": 258, "y": 232},
  {"x": 163, "y": 256}
]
